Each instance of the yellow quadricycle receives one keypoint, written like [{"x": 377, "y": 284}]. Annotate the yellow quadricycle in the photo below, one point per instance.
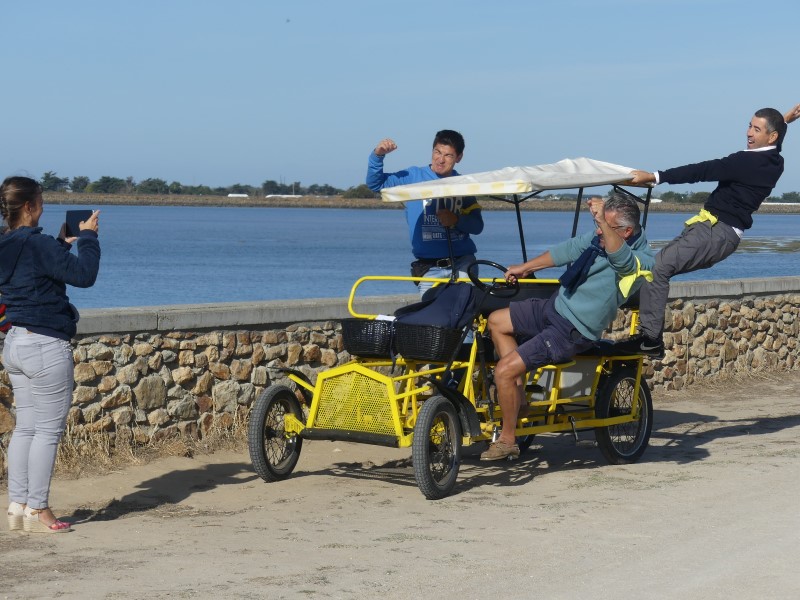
[{"x": 430, "y": 388}]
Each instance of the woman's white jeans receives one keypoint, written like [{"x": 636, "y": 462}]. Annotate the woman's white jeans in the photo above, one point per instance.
[{"x": 41, "y": 370}]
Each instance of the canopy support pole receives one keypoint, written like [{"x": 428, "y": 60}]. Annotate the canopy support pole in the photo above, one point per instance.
[
  {"x": 517, "y": 202},
  {"x": 577, "y": 212}
]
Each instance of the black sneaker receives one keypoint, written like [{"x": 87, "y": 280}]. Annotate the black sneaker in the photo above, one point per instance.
[{"x": 641, "y": 344}]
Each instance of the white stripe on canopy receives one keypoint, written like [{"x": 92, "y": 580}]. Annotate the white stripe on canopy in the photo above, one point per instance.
[{"x": 565, "y": 174}]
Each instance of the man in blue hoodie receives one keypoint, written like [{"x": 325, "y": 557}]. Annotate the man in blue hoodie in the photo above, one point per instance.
[
  {"x": 608, "y": 265},
  {"x": 429, "y": 221}
]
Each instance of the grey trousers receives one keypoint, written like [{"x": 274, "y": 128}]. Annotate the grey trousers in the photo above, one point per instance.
[
  {"x": 699, "y": 246},
  {"x": 41, "y": 371}
]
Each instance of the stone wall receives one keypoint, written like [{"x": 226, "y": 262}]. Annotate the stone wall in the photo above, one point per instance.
[
  {"x": 716, "y": 338},
  {"x": 150, "y": 385},
  {"x": 147, "y": 373}
]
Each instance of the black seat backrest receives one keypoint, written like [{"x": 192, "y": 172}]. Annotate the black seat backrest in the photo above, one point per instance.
[
  {"x": 632, "y": 301},
  {"x": 451, "y": 305},
  {"x": 526, "y": 290},
  {"x": 541, "y": 290}
]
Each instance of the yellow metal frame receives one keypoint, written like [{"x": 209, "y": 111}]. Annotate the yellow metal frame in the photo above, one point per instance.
[
  {"x": 356, "y": 397},
  {"x": 435, "y": 280}
]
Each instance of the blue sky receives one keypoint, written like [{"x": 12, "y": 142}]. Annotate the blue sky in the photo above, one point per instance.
[{"x": 217, "y": 93}]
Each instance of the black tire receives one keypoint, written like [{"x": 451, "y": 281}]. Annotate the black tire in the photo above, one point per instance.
[
  {"x": 273, "y": 454},
  {"x": 624, "y": 443},
  {"x": 436, "y": 449}
]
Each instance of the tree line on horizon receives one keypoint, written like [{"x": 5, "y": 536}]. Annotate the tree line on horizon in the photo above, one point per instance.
[
  {"x": 51, "y": 182},
  {"x": 81, "y": 184}
]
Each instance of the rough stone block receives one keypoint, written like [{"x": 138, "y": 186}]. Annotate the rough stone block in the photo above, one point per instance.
[
  {"x": 84, "y": 394},
  {"x": 241, "y": 369},
  {"x": 143, "y": 349},
  {"x": 158, "y": 416},
  {"x": 219, "y": 370},
  {"x": 203, "y": 383},
  {"x": 224, "y": 395},
  {"x": 100, "y": 352},
  {"x": 84, "y": 373},
  {"x": 128, "y": 374},
  {"x": 102, "y": 367},
  {"x": 121, "y": 395},
  {"x": 7, "y": 420},
  {"x": 151, "y": 392},
  {"x": 183, "y": 409},
  {"x": 182, "y": 375},
  {"x": 293, "y": 353}
]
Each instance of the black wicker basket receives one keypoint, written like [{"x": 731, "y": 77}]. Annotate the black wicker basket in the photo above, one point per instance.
[
  {"x": 368, "y": 338},
  {"x": 426, "y": 342}
]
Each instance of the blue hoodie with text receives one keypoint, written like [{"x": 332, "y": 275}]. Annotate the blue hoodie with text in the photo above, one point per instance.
[{"x": 428, "y": 236}]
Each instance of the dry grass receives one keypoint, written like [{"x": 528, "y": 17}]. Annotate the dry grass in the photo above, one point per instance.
[
  {"x": 101, "y": 452},
  {"x": 97, "y": 453},
  {"x": 722, "y": 383}
]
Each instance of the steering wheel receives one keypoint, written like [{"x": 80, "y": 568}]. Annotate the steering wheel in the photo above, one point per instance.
[{"x": 498, "y": 288}]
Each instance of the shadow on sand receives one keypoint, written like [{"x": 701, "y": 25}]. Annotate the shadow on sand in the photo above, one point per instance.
[
  {"x": 168, "y": 489},
  {"x": 677, "y": 437}
]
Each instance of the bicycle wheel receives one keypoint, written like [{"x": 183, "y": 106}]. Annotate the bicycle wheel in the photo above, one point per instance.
[
  {"x": 626, "y": 442},
  {"x": 273, "y": 453},
  {"x": 436, "y": 449}
]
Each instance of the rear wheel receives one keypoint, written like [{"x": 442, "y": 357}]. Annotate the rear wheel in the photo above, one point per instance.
[
  {"x": 274, "y": 453},
  {"x": 626, "y": 442},
  {"x": 436, "y": 449}
]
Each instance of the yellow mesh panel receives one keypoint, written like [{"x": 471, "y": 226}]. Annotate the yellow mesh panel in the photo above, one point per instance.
[{"x": 355, "y": 402}]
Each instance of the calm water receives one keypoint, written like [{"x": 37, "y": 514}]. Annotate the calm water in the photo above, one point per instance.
[{"x": 186, "y": 255}]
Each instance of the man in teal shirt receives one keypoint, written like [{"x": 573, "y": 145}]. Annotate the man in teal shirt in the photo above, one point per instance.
[{"x": 608, "y": 265}]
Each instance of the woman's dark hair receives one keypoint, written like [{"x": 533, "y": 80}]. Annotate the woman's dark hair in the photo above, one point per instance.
[{"x": 14, "y": 194}]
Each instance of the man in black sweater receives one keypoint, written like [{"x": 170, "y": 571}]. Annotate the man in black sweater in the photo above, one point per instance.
[{"x": 745, "y": 179}]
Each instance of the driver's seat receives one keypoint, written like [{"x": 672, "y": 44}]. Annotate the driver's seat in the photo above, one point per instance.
[{"x": 526, "y": 290}]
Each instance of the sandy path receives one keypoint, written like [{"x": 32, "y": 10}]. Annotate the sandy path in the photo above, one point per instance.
[{"x": 710, "y": 512}]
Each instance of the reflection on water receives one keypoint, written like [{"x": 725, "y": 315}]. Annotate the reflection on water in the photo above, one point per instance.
[{"x": 782, "y": 245}]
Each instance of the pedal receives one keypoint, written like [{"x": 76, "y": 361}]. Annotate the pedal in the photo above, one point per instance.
[{"x": 579, "y": 443}]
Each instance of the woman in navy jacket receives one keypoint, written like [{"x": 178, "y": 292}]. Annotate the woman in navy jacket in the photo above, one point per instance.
[{"x": 34, "y": 271}]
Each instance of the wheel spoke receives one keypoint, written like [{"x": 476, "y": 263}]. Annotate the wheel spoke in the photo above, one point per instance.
[
  {"x": 274, "y": 453},
  {"x": 436, "y": 448},
  {"x": 624, "y": 434},
  {"x": 276, "y": 445},
  {"x": 624, "y": 442},
  {"x": 441, "y": 449}
]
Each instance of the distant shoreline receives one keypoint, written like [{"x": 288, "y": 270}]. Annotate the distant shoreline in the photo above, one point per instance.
[{"x": 340, "y": 202}]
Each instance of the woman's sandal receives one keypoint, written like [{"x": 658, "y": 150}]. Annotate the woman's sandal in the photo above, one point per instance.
[
  {"x": 32, "y": 524},
  {"x": 15, "y": 515}
]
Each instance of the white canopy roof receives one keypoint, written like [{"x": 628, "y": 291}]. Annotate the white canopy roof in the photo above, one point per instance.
[{"x": 565, "y": 174}]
